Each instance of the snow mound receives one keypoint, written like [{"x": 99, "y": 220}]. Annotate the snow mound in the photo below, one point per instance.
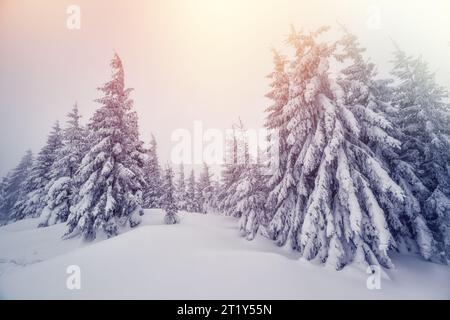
[{"x": 201, "y": 258}]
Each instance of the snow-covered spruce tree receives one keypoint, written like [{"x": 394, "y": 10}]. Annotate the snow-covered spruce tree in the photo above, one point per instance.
[
  {"x": 168, "y": 201},
  {"x": 61, "y": 189},
  {"x": 181, "y": 195},
  {"x": 275, "y": 120},
  {"x": 250, "y": 198},
  {"x": 216, "y": 189},
  {"x": 152, "y": 191},
  {"x": 110, "y": 174},
  {"x": 191, "y": 205},
  {"x": 329, "y": 201},
  {"x": 235, "y": 161},
  {"x": 204, "y": 192},
  {"x": 423, "y": 119},
  {"x": 369, "y": 99},
  {"x": 3, "y": 186},
  {"x": 406, "y": 220},
  {"x": 13, "y": 184},
  {"x": 34, "y": 192}
]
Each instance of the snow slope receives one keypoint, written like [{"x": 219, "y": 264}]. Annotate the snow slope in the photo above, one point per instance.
[{"x": 201, "y": 258}]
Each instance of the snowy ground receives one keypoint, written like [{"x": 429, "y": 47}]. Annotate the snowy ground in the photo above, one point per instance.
[{"x": 201, "y": 258}]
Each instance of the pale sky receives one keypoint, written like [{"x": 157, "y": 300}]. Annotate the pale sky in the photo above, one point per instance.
[{"x": 187, "y": 60}]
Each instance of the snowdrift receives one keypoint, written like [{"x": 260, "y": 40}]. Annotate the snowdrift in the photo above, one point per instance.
[{"x": 200, "y": 258}]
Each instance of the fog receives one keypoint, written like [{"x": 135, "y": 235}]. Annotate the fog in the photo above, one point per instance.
[{"x": 203, "y": 60}]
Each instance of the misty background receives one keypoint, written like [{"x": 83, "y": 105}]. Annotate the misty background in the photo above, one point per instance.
[{"x": 187, "y": 60}]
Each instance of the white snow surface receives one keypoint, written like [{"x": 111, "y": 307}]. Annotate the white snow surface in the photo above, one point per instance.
[{"x": 201, "y": 258}]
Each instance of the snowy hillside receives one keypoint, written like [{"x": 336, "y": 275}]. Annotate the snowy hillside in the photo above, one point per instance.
[{"x": 201, "y": 258}]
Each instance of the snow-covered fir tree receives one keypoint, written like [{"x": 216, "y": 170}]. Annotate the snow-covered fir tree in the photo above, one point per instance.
[
  {"x": 152, "y": 191},
  {"x": 328, "y": 203},
  {"x": 216, "y": 190},
  {"x": 110, "y": 175},
  {"x": 250, "y": 199},
  {"x": 192, "y": 204},
  {"x": 13, "y": 184},
  {"x": 61, "y": 189},
  {"x": 369, "y": 98},
  {"x": 275, "y": 120},
  {"x": 422, "y": 116},
  {"x": 406, "y": 219},
  {"x": 3, "y": 187},
  {"x": 234, "y": 163},
  {"x": 181, "y": 194},
  {"x": 32, "y": 199},
  {"x": 168, "y": 201},
  {"x": 204, "y": 190}
]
